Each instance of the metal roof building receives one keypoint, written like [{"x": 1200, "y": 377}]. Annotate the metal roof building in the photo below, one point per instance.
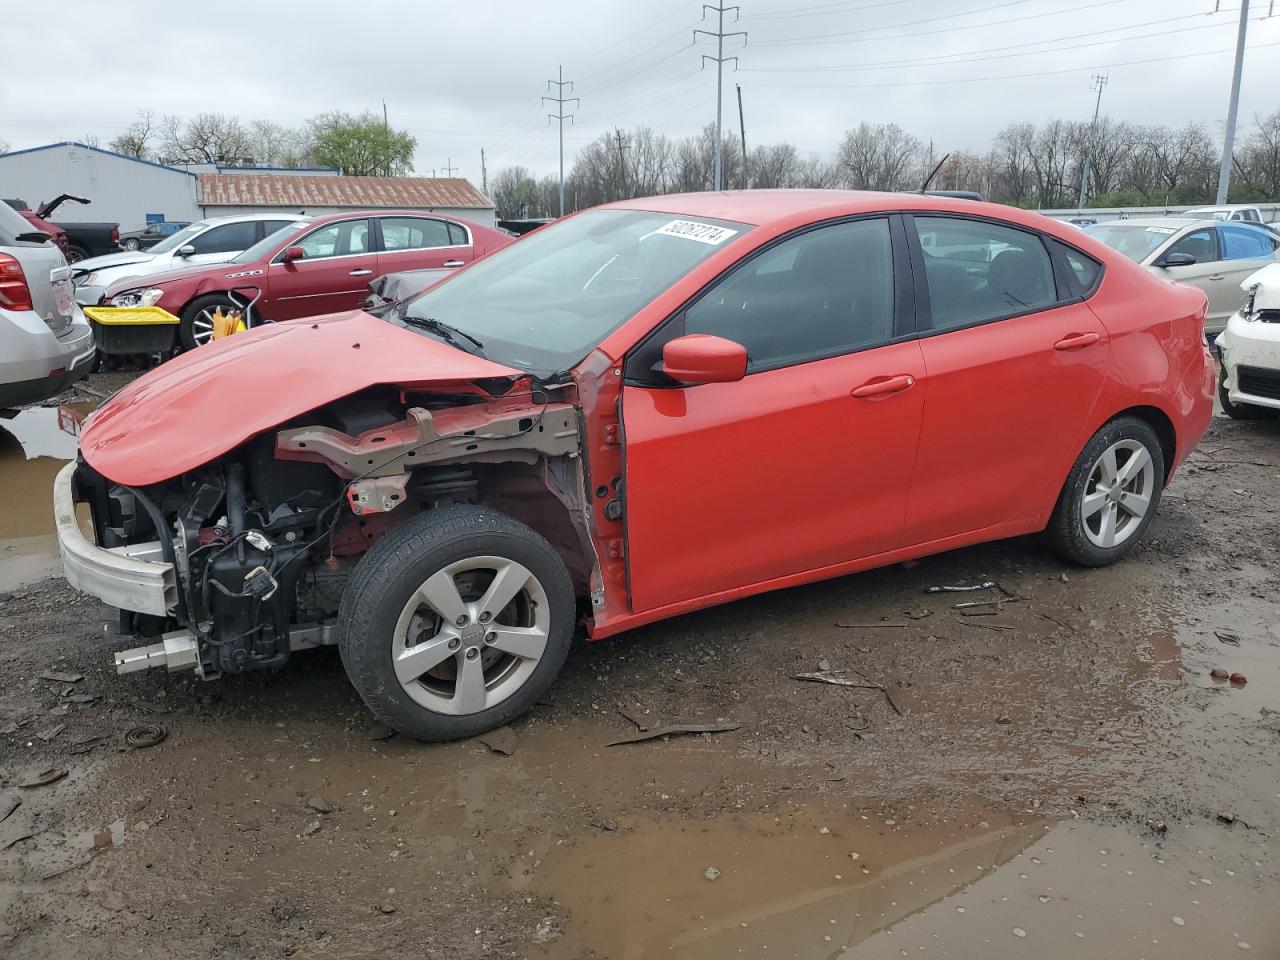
[
  {"x": 122, "y": 189},
  {"x": 230, "y": 192}
]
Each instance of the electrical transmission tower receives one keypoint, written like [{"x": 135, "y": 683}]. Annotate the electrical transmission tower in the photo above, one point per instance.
[
  {"x": 450, "y": 170},
  {"x": 1100, "y": 80},
  {"x": 719, "y": 60},
  {"x": 560, "y": 100}
]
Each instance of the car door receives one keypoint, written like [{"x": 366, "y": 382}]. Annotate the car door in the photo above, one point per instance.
[
  {"x": 219, "y": 244},
  {"x": 418, "y": 243},
  {"x": 805, "y": 462},
  {"x": 1014, "y": 361},
  {"x": 332, "y": 275},
  {"x": 1208, "y": 273}
]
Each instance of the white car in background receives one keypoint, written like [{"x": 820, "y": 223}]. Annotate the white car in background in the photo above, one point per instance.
[
  {"x": 216, "y": 240},
  {"x": 1249, "y": 347}
]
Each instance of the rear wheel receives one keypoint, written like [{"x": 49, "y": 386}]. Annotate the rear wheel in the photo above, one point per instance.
[
  {"x": 456, "y": 622},
  {"x": 130, "y": 244},
  {"x": 196, "y": 328},
  {"x": 1111, "y": 494},
  {"x": 75, "y": 254},
  {"x": 1240, "y": 411}
]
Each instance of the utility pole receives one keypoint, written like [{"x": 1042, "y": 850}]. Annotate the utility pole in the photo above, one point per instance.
[
  {"x": 719, "y": 60},
  {"x": 622, "y": 164},
  {"x": 1099, "y": 81},
  {"x": 386, "y": 129},
  {"x": 742, "y": 127},
  {"x": 1229, "y": 140},
  {"x": 450, "y": 170},
  {"x": 484, "y": 175},
  {"x": 560, "y": 100}
]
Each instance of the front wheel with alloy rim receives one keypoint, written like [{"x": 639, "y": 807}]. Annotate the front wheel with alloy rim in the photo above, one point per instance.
[
  {"x": 1111, "y": 494},
  {"x": 455, "y": 622},
  {"x": 196, "y": 326}
]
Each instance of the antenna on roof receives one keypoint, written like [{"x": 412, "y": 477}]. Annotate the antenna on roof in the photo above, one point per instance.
[{"x": 929, "y": 179}]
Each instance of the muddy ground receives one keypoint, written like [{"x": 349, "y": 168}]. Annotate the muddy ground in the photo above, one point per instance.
[{"x": 1062, "y": 779}]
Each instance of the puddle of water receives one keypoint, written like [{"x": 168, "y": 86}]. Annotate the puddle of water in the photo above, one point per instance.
[
  {"x": 787, "y": 890},
  {"x": 1257, "y": 657},
  {"x": 784, "y": 888},
  {"x": 34, "y": 445}
]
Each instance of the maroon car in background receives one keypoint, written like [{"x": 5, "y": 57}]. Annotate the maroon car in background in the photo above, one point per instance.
[{"x": 315, "y": 266}]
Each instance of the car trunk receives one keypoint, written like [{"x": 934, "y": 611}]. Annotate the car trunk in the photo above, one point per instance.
[{"x": 49, "y": 280}]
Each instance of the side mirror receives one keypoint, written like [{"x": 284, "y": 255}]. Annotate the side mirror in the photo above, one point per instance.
[
  {"x": 702, "y": 358},
  {"x": 186, "y": 251},
  {"x": 293, "y": 253},
  {"x": 1176, "y": 260}
]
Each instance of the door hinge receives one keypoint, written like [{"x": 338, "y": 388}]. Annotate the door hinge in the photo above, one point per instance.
[
  {"x": 612, "y": 434},
  {"x": 615, "y": 548}
]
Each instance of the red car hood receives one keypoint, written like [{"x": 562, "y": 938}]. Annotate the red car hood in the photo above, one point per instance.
[
  {"x": 200, "y": 405},
  {"x": 181, "y": 273}
]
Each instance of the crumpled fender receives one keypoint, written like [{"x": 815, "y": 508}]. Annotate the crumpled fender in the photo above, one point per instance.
[{"x": 210, "y": 400}]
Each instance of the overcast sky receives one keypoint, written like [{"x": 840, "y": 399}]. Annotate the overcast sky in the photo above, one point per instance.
[{"x": 467, "y": 74}]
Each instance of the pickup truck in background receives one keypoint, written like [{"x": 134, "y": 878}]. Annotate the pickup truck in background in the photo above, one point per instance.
[{"x": 81, "y": 240}]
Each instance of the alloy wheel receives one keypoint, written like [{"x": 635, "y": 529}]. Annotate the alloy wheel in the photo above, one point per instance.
[
  {"x": 1117, "y": 494},
  {"x": 471, "y": 635}
]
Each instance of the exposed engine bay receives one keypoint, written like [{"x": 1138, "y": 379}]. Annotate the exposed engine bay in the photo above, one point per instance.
[{"x": 263, "y": 539}]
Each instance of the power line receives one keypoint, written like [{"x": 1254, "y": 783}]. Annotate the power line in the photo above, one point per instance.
[
  {"x": 719, "y": 60},
  {"x": 825, "y": 9},
  {"x": 560, "y": 100},
  {"x": 1006, "y": 76}
]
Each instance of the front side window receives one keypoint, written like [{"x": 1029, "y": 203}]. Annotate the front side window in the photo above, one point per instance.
[
  {"x": 228, "y": 238},
  {"x": 413, "y": 233},
  {"x": 1242, "y": 243},
  {"x": 824, "y": 292},
  {"x": 978, "y": 271},
  {"x": 1201, "y": 244},
  {"x": 337, "y": 240},
  {"x": 544, "y": 303}
]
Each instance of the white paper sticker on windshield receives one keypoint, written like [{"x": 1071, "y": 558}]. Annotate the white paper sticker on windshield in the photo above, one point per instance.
[
  {"x": 692, "y": 230},
  {"x": 1163, "y": 231}
]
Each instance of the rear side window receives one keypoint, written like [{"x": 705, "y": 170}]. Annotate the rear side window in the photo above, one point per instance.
[
  {"x": 271, "y": 226},
  {"x": 1241, "y": 243},
  {"x": 413, "y": 233},
  {"x": 1082, "y": 272},
  {"x": 978, "y": 271},
  {"x": 457, "y": 235}
]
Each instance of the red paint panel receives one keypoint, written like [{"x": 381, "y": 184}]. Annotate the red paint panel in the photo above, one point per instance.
[
  {"x": 1005, "y": 414},
  {"x": 730, "y": 484}
]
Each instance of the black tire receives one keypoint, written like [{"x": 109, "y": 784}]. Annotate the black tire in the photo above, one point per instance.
[
  {"x": 1240, "y": 411},
  {"x": 397, "y": 565},
  {"x": 76, "y": 253},
  {"x": 187, "y": 328},
  {"x": 1066, "y": 533},
  {"x": 131, "y": 244}
]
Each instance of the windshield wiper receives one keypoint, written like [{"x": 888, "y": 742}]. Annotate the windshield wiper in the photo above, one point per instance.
[{"x": 445, "y": 332}]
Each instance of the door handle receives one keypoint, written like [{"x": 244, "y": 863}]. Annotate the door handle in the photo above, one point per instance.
[
  {"x": 1074, "y": 341},
  {"x": 454, "y": 263},
  {"x": 1218, "y": 276},
  {"x": 883, "y": 386},
  {"x": 360, "y": 273}
]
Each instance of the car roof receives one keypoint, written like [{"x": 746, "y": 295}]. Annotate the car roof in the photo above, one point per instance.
[
  {"x": 1178, "y": 222},
  {"x": 760, "y": 207},
  {"x": 249, "y": 217}
]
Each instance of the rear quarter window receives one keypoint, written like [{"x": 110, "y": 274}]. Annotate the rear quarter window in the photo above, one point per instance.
[{"x": 1081, "y": 272}]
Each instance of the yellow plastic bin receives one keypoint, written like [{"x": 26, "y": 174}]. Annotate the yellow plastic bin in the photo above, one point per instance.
[{"x": 125, "y": 330}]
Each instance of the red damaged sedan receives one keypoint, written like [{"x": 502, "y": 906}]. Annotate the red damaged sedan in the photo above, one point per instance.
[
  {"x": 635, "y": 412},
  {"x": 317, "y": 265}
]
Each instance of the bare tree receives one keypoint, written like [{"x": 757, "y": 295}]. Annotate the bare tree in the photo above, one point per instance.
[
  {"x": 773, "y": 165},
  {"x": 204, "y": 138},
  {"x": 137, "y": 138},
  {"x": 878, "y": 157}
]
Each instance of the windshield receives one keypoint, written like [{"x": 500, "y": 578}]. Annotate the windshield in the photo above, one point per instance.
[
  {"x": 1135, "y": 241},
  {"x": 175, "y": 240},
  {"x": 544, "y": 302},
  {"x": 270, "y": 241}
]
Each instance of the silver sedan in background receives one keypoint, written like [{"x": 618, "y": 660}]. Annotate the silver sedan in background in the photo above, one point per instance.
[{"x": 1212, "y": 255}]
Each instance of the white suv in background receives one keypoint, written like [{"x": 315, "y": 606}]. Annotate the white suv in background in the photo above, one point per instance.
[
  {"x": 46, "y": 343},
  {"x": 215, "y": 240}
]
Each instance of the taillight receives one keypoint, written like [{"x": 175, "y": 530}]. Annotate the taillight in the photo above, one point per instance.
[
  {"x": 14, "y": 292},
  {"x": 115, "y": 234}
]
